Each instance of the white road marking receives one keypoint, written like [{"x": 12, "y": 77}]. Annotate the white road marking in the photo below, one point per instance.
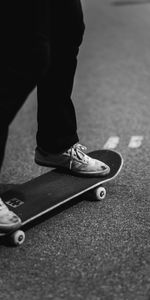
[
  {"x": 112, "y": 142},
  {"x": 135, "y": 141}
]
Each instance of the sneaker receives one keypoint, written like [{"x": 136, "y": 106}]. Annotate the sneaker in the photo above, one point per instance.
[
  {"x": 74, "y": 159},
  {"x": 8, "y": 220}
]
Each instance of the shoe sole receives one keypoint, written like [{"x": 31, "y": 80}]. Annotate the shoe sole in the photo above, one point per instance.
[{"x": 85, "y": 174}]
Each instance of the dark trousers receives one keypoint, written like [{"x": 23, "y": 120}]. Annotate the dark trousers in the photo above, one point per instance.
[{"x": 50, "y": 65}]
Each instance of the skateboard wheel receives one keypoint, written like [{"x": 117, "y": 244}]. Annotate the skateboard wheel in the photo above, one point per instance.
[
  {"x": 100, "y": 193},
  {"x": 17, "y": 237}
]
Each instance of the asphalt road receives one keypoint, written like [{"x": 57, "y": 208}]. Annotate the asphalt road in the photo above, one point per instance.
[{"x": 93, "y": 250}]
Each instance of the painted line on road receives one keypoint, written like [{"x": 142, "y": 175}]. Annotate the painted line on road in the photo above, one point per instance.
[
  {"x": 112, "y": 142},
  {"x": 135, "y": 141}
]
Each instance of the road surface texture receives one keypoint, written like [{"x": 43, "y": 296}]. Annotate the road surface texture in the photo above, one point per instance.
[{"x": 93, "y": 250}]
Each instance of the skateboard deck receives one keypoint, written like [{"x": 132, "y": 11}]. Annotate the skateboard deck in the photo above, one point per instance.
[{"x": 45, "y": 193}]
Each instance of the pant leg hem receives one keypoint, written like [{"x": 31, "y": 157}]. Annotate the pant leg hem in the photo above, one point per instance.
[{"x": 60, "y": 145}]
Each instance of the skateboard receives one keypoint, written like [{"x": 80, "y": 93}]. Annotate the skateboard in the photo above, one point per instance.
[{"x": 37, "y": 197}]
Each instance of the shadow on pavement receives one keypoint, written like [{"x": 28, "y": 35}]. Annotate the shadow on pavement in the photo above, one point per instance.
[
  {"x": 88, "y": 196},
  {"x": 6, "y": 241}
]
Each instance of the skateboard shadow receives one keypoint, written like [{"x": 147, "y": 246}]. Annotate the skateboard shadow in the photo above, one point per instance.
[{"x": 4, "y": 240}]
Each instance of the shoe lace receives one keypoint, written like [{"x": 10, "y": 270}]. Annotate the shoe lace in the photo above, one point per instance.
[{"x": 77, "y": 151}]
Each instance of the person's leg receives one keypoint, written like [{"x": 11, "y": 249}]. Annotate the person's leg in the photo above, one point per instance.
[
  {"x": 23, "y": 60},
  {"x": 57, "y": 127},
  {"x": 14, "y": 90},
  {"x": 57, "y": 138},
  {"x": 3, "y": 140}
]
